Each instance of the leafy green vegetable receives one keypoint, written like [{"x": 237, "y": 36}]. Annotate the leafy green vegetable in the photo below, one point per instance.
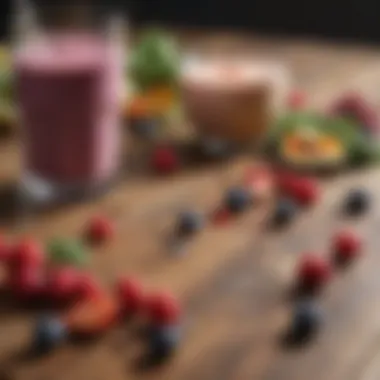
[
  {"x": 360, "y": 148},
  {"x": 67, "y": 252},
  {"x": 155, "y": 60},
  {"x": 364, "y": 151},
  {"x": 289, "y": 123}
]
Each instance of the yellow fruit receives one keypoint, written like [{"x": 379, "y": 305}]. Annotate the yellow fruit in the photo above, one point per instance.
[
  {"x": 316, "y": 149},
  {"x": 156, "y": 101}
]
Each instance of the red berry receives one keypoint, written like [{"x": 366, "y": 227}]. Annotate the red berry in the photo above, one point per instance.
[
  {"x": 26, "y": 253},
  {"x": 346, "y": 245},
  {"x": 165, "y": 160},
  {"x": 314, "y": 271},
  {"x": 131, "y": 295},
  {"x": 87, "y": 287},
  {"x": 62, "y": 284},
  {"x": 302, "y": 189},
  {"x": 297, "y": 99},
  {"x": 100, "y": 229},
  {"x": 222, "y": 216},
  {"x": 27, "y": 282},
  {"x": 163, "y": 309},
  {"x": 305, "y": 191},
  {"x": 284, "y": 182},
  {"x": 355, "y": 106}
]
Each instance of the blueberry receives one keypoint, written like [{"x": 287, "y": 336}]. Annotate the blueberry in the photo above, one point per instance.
[
  {"x": 189, "y": 222},
  {"x": 49, "y": 333},
  {"x": 237, "y": 199},
  {"x": 307, "y": 318},
  {"x": 146, "y": 127},
  {"x": 357, "y": 201},
  {"x": 285, "y": 211},
  {"x": 163, "y": 340}
]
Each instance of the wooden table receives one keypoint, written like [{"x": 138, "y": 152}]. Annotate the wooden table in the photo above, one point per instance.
[{"x": 235, "y": 280}]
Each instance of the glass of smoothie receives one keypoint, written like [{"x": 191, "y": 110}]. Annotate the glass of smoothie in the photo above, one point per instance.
[
  {"x": 232, "y": 100},
  {"x": 68, "y": 64}
]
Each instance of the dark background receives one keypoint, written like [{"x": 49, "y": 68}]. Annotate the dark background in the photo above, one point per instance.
[
  {"x": 342, "y": 19},
  {"x": 348, "y": 19}
]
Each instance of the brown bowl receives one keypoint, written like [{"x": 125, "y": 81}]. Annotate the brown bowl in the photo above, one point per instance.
[{"x": 239, "y": 109}]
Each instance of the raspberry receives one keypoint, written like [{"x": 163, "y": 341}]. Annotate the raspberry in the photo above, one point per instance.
[
  {"x": 100, "y": 229},
  {"x": 347, "y": 245},
  {"x": 165, "y": 160},
  {"x": 130, "y": 294},
  {"x": 26, "y": 253},
  {"x": 313, "y": 272},
  {"x": 163, "y": 309}
]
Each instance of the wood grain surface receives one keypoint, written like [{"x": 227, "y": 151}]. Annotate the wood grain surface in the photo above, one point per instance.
[{"x": 235, "y": 280}]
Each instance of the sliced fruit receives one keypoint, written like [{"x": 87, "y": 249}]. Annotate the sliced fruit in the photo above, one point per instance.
[
  {"x": 312, "y": 148},
  {"x": 154, "y": 102},
  {"x": 161, "y": 99},
  {"x": 92, "y": 316},
  {"x": 138, "y": 108}
]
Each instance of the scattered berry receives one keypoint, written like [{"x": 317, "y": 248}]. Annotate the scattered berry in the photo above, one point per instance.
[
  {"x": 285, "y": 211},
  {"x": 237, "y": 199},
  {"x": 163, "y": 309},
  {"x": 27, "y": 252},
  {"x": 163, "y": 341},
  {"x": 86, "y": 287},
  {"x": 305, "y": 191},
  {"x": 313, "y": 272},
  {"x": 49, "y": 333},
  {"x": 346, "y": 246},
  {"x": 63, "y": 284},
  {"x": 189, "y": 222},
  {"x": 165, "y": 160},
  {"x": 131, "y": 295},
  {"x": 221, "y": 216},
  {"x": 100, "y": 229},
  {"x": 307, "y": 318},
  {"x": 27, "y": 282},
  {"x": 357, "y": 201},
  {"x": 284, "y": 182}
]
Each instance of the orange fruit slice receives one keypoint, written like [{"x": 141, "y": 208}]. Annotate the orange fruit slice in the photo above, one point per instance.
[
  {"x": 160, "y": 98},
  {"x": 155, "y": 101},
  {"x": 138, "y": 108},
  {"x": 92, "y": 316}
]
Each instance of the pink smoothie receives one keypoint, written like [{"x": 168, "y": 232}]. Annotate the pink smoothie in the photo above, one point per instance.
[{"x": 69, "y": 96}]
